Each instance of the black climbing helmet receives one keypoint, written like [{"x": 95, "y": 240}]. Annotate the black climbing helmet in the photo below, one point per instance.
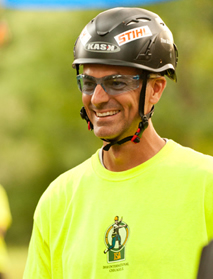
[{"x": 131, "y": 37}]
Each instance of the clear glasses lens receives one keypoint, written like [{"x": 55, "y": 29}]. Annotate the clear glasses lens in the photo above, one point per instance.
[{"x": 113, "y": 85}]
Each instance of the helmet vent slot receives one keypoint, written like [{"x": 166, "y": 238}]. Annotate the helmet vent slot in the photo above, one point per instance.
[
  {"x": 138, "y": 20},
  {"x": 143, "y": 19}
]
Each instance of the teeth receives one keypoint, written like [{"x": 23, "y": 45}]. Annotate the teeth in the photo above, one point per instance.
[{"x": 99, "y": 114}]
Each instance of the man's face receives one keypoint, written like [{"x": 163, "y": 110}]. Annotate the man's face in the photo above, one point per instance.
[{"x": 113, "y": 116}]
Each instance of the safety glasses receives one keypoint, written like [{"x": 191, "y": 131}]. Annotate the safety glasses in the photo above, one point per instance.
[{"x": 113, "y": 84}]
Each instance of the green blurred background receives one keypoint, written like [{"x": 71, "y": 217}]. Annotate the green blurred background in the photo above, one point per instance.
[{"x": 42, "y": 134}]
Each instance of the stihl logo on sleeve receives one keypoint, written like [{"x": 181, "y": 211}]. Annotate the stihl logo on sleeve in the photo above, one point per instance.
[{"x": 132, "y": 34}]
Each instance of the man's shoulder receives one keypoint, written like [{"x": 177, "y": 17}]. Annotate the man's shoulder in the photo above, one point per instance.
[
  {"x": 68, "y": 178},
  {"x": 65, "y": 185},
  {"x": 195, "y": 158}
]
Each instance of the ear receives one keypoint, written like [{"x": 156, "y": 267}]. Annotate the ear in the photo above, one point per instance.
[{"x": 156, "y": 87}]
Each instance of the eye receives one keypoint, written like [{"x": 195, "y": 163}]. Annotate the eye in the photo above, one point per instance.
[
  {"x": 88, "y": 84},
  {"x": 116, "y": 84}
]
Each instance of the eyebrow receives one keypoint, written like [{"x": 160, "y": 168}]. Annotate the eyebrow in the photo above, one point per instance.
[{"x": 116, "y": 73}]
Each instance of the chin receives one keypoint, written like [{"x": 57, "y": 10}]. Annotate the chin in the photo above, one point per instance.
[{"x": 102, "y": 133}]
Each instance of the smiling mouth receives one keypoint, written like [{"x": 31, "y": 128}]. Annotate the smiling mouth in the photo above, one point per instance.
[{"x": 108, "y": 113}]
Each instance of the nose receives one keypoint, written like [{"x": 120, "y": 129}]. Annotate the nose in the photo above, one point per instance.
[{"x": 99, "y": 96}]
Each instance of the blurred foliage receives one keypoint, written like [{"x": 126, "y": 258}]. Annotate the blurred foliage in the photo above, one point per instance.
[
  {"x": 42, "y": 134},
  {"x": 17, "y": 256}
]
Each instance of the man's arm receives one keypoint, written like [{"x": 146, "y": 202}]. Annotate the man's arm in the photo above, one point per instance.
[{"x": 38, "y": 261}]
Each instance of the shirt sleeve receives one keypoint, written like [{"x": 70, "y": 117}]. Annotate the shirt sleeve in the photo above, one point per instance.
[
  {"x": 209, "y": 205},
  {"x": 38, "y": 264}
]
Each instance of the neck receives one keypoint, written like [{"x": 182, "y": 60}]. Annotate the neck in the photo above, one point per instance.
[{"x": 129, "y": 155}]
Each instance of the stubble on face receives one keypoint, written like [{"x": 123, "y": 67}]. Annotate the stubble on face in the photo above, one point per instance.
[{"x": 113, "y": 117}]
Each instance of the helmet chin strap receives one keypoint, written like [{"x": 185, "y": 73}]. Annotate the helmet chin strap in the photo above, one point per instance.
[{"x": 142, "y": 125}]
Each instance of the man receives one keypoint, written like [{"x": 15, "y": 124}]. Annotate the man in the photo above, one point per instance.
[{"x": 162, "y": 190}]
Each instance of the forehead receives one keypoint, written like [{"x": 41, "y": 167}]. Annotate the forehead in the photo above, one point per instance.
[{"x": 99, "y": 70}]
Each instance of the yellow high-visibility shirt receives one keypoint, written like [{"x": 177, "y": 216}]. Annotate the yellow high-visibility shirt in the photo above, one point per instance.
[{"x": 149, "y": 222}]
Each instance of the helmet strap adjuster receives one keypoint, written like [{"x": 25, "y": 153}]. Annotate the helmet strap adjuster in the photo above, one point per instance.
[
  {"x": 142, "y": 126},
  {"x": 84, "y": 115}
]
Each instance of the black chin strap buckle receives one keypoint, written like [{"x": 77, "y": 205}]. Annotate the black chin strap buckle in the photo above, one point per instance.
[
  {"x": 84, "y": 115},
  {"x": 136, "y": 137},
  {"x": 142, "y": 126}
]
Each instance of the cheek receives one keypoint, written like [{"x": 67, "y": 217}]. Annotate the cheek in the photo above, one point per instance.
[
  {"x": 130, "y": 102},
  {"x": 86, "y": 99}
]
